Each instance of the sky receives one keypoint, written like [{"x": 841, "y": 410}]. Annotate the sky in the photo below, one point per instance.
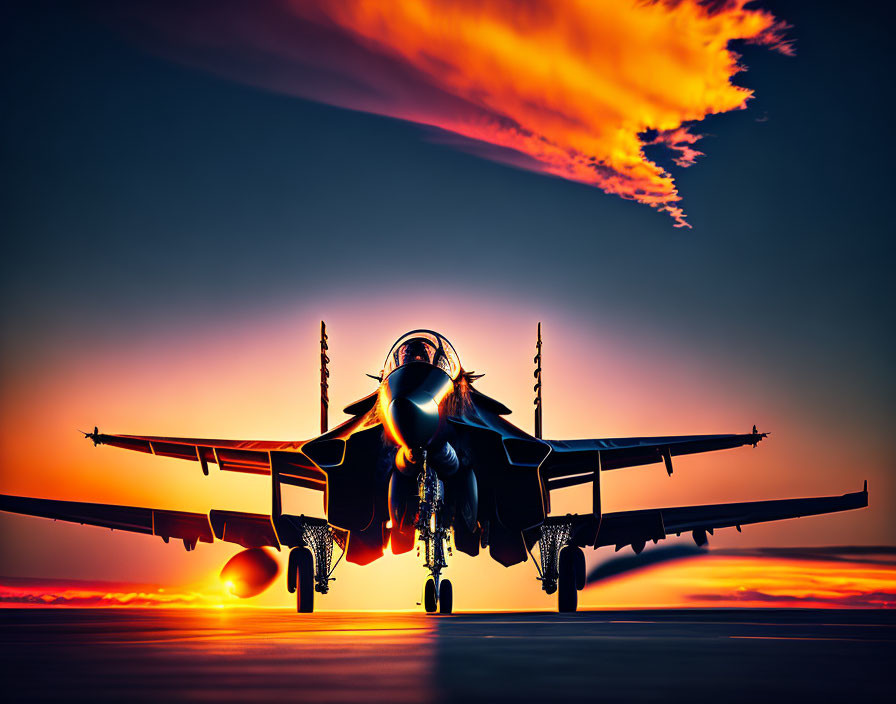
[{"x": 187, "y": 193}]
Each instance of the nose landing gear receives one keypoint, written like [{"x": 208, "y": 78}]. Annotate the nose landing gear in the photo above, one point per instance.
[
  {"x": 433, "y": 530},
  {"x": 441, "y": 599},
  {"x": 446, "y": 597}
]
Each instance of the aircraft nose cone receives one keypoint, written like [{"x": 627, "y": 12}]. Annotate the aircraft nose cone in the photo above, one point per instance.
[
  {"x": 415, "y": 421},
  {"x": 409, "y": 401}
]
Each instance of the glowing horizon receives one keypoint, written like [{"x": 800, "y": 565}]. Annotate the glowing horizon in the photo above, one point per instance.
[{"x": 698, "y": 582}]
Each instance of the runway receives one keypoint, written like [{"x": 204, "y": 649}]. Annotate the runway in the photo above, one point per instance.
[{"x": 261, "y": 655}]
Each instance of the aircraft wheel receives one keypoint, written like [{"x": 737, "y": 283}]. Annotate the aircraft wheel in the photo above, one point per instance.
[
  {"x": 580, "y": 566},
  {"x": 446, "y": 597},
  {"x": 304, "y": 580},
  {"x": 567, "y": 595},
  {"x": 291, "y": 570},
  {"x": 429, "y": 595}
]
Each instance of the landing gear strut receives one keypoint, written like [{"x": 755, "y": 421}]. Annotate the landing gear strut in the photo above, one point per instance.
[
  {"x": 562, "y": 563},
  {"x": 433, "y": 529}
]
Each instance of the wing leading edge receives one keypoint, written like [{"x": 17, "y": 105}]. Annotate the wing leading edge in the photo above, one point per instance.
[
  {"x": 251, "y": 530},
  {"x": 247, "y": 456},
  {"x": 571, "y": 457}
]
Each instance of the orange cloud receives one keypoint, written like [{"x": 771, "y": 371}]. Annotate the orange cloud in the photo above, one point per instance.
[
  {"x": 753, "y": 597},
  {"x": 757, "y": 577},
  {"x": 732, "y": 578},
  {"x": 565, "y": 88},
  {"x": 786, "y": 583},
  {"x": 19, "y": 592}
]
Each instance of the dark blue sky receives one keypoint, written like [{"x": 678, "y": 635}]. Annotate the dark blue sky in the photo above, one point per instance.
[{"x": 139, "y": 192}]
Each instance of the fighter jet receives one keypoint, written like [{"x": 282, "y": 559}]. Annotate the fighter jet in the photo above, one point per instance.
[{"x": 427, "y": 457}]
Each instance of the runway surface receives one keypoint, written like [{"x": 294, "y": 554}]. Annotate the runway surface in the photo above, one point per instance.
[{"x": 272, "y": 655}]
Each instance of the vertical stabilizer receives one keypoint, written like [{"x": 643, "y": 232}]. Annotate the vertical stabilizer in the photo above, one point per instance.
[
  {"x": 324, "y": 377},
  {"x": 537, "y": 387}
]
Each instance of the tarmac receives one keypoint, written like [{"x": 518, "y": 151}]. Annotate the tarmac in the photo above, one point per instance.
[{"x": 265, "y": 655}]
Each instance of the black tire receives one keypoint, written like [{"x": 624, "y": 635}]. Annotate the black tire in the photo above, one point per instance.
[
  {"x": 567, "y": 594},
  {"x": 291, "y": 570},
  {"x": 446, "y": 597},
  {"x": 429, "y": 596},
  {"x": 580, "y": 566},
  {"x": 304, "y": 581}
]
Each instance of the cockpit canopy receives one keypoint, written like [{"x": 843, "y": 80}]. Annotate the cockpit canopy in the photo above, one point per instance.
[{"x": 423, "y": 346}]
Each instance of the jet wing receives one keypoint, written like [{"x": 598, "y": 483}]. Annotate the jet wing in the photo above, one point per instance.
[
  {"x": 249, "y": 456},
  {"x": 570, "y": 457},
  {"x": 251, "y": 530},
  {"x": 637, "y": 527}
]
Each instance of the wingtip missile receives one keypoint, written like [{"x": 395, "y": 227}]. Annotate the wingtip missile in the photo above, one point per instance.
[
  {"x": 95, "y": 435},
  {"x": 757, "y": 436}
]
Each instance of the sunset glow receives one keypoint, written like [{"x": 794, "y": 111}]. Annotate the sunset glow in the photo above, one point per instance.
[
  {"x": 714, "y": 581},
  {"x": 709, "y": 581},
  {"x": 83, "y": 593}
]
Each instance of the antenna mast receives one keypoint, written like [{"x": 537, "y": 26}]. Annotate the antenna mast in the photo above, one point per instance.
[
  {"x": 324, "y": 376},
  {"x": 537, "y": 387}
]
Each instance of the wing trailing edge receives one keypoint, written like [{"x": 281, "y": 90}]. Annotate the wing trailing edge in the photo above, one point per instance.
[
  {"x": 250, "y": 530},
  {"x": 636, "y": 528}
]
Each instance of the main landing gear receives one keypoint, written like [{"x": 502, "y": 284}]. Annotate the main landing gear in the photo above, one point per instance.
[
  {"x": 433, "y": 530},
  {"x": 310, "y": 567},
  {"x": 562, "y": 564}
]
